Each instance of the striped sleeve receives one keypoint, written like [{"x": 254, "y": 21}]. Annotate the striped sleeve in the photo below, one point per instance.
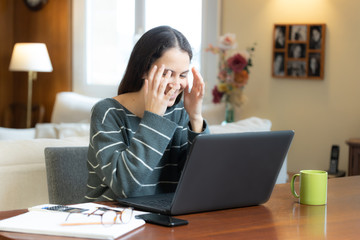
[{"x": 123, "y": 160}]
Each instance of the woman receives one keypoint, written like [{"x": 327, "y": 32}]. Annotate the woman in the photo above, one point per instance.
[{"x": 139, "y": 139}]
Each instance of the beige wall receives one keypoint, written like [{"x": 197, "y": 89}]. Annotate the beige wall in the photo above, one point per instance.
[{"x": 322, "y": 112}]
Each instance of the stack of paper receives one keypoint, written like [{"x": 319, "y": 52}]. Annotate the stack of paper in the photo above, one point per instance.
[{"x": 50, "y": 223}]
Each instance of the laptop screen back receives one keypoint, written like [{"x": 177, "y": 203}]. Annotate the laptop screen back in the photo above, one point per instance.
[{"x": 231, "y": 170}]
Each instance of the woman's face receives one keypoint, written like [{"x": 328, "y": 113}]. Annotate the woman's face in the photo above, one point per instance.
[{"x": 178, "y": 62}]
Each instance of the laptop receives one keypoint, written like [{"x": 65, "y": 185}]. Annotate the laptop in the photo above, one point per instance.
[{"x": 223, "y": 171}]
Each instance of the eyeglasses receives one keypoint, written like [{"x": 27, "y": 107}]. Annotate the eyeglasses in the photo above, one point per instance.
[{"x": 109, "y": 216}]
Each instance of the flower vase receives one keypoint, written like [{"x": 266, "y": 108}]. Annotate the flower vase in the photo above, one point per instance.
[{"x": 229, "y": 113}]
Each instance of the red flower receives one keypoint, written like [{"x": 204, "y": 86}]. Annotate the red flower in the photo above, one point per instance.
[
  {"x": 216, "y": 95},
  {"x": 237, "y": 63}
]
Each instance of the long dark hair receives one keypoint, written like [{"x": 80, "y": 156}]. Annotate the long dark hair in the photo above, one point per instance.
[{"x": 147, "y": 50}]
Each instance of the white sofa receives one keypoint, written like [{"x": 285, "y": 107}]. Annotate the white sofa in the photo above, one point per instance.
[{"x": 22, "y": 164}]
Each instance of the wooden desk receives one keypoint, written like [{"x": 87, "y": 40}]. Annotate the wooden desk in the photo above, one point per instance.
[{"x": 282, "y": 217}]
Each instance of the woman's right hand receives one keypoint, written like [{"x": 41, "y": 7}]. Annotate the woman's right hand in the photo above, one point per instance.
[{"x": 156, "y": 101}]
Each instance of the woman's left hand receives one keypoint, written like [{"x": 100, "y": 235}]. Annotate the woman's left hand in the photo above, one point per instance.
[{"x": 193, "y": 101}]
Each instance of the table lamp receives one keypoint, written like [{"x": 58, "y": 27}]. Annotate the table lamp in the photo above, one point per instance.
[{"x": 31, "y": 58}]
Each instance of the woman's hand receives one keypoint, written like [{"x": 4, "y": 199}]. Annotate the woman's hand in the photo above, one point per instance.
[
  {"x": 193, "y": 101},
  {"x": 155, "y": 84}
]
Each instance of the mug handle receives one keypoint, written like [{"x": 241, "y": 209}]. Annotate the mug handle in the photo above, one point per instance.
[{"x": 292, "y": 185}]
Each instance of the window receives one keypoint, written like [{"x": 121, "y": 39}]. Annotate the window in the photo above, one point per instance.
[
  {"x": 109, "y": 40},
  {"x": 183, "y": 15},
  {"x": 101, "y": 49}
]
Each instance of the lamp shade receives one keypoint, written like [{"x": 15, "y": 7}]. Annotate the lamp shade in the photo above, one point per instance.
[{"x": 30, "y": 57}]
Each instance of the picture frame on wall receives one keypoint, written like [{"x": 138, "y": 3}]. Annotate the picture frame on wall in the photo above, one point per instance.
[
  {"x": 298, "y": 32},
  {"x": 279, "y": 64},
  {"x": 314, "y": 64},
  {"x": 279, "y": 38},
  {"x": 315, "y": 37},
  {"x": 298, "y": 51},
  {"x": 296, "y": 68}
]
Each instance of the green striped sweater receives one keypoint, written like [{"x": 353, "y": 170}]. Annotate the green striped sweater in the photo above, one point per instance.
[{"x": 132, "y": 156}]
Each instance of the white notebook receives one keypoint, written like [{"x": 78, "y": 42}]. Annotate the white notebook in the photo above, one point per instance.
[{"x": 49, "y": 223}]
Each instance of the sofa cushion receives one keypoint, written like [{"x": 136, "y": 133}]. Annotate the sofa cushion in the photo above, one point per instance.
[
  {"x": 15, "y": 134},
  {"x": 252, "y": 124},
  {"x": 22, "y": 170},
  {"x": 71, "y": 107},
  {"x": 61, "y": 130},
  {"x": 22, "y": 152},
  {"x": 23, "y": 186},
  {"x": 46, "y": 130}
]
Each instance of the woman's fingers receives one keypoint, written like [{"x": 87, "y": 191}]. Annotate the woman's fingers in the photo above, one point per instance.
[
  {"x": 198, "y": 83},
  {"x": 156, "y": 85},
  {"x": 158, "y": 81},
  {"x": 164, "y": 82},
  {"x": 158, "y": 77},
  {"x": 151, "y": 75}
]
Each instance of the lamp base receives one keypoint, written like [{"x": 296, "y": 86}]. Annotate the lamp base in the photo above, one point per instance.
[{"x": 31, "y": 76}]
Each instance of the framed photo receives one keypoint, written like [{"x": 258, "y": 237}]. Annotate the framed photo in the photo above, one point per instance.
[
  {"x": 298, "y": 51},
  {"x": 279, "y": 36},
  {"x": 315, "y": 37},
  {"x": 296, "y": 68},
  {"x": 298, "y": 32},
  {"x": 314, "y": 64},
  {"x": 279, "y": 64}
]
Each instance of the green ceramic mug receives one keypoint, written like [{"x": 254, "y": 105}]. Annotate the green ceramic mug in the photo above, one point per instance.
[{"x": 313, "y": 187}]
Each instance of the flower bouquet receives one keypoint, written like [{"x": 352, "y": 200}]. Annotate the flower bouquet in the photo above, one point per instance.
[{"x": 233, "y": 73}]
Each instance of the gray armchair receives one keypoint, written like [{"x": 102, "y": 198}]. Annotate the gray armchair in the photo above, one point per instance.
[{"x": 67, "y": 174}]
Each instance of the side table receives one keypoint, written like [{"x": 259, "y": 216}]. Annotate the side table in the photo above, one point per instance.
[{"x": 354, "y": 156}]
